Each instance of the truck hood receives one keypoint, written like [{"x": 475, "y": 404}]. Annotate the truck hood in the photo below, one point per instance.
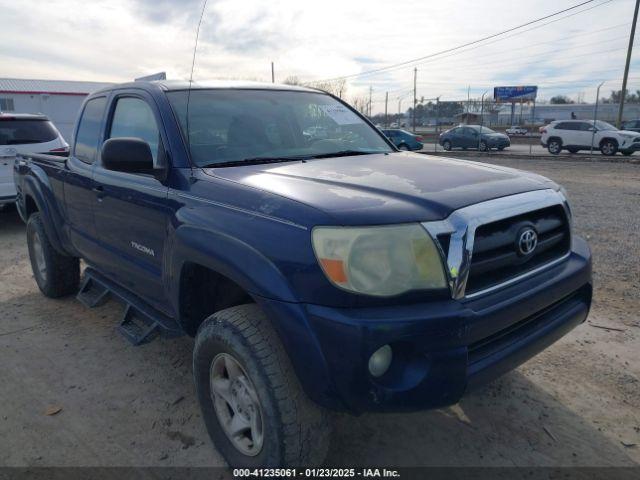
[{"x": 385, "y": 188}]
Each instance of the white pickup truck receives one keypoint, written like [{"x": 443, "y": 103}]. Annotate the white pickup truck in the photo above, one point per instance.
[
  {"x": 515, "y": 130},
  {"x": 22, "y": 133}
]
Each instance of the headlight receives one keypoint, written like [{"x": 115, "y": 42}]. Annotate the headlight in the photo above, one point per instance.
[{"x": 381, "y": 261}]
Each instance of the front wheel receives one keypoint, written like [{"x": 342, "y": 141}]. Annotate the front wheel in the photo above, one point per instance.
[
  {"x": 446, "y": 145},
  {"x": 57, "y": 275},
  {"x": 255, "y": 410},
  {"x": 609, "y": 148}
]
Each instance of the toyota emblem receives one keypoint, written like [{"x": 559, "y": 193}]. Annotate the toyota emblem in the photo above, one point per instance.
[{"x": 527, "y": 241}]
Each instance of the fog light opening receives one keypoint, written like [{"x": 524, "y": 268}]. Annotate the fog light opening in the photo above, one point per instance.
[{"x": 380, "y": 361}]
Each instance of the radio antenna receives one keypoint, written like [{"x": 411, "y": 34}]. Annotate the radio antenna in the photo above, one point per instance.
[{"x": 193, "y": 64}]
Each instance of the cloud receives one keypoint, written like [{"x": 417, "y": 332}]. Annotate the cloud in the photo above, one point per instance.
[{"x": 118, "y": 40}]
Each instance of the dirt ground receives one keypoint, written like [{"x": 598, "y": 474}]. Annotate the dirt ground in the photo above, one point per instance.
[{"x": 577, "y": 403}]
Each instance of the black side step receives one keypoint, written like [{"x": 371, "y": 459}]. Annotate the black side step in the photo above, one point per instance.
[
  {"x": 92, "y": 293},
  {"x": 140, "y": 323},
  {"x": 137, "y": 327}
]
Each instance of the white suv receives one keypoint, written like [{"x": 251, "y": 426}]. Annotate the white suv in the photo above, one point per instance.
[
  {"x": 575, "y": 135},
  {"x": 24, "y": 133}
]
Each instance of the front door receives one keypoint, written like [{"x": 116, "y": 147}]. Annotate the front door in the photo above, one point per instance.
[{"x": 131, "y": 210}]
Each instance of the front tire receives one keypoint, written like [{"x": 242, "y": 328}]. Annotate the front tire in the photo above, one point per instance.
[
  {"x": 609, "y": 148},
  {"x": 57, "y": 275},
  {"x": 255, "y": 410},
  {"x": 446, "y": 145}
]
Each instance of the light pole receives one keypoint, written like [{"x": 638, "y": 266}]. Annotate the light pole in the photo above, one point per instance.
[
  {"x": 595, "y": 117},
  {"x": 481, "y": 118}
]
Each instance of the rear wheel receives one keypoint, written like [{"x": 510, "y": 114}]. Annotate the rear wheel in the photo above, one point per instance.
[
  {"x": 609, "y": 147},
  {"x": 57, "y": 275},
  {"x": 554, "y": 146},
  {"x": 483, "y": 146},
  {"x": 446, "y": 145},
  {"x": 252, "y": 403}
]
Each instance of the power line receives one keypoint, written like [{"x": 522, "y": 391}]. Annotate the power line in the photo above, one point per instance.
[{"x": 410, "y": 62}]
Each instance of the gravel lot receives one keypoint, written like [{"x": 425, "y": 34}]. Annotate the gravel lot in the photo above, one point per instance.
[{"x": 577, "y": 403}]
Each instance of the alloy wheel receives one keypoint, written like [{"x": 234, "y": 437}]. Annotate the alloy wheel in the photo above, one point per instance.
[{"x": 236, "y": 404}]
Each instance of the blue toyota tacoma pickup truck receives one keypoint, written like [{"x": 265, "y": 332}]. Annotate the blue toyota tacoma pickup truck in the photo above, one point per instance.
[{"x": 316, "y": 274}]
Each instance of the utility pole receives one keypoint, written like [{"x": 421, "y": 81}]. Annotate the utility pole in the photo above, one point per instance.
[
  {"x": 595, "y": 116},
  {"x": 370, "y": 92},
  {"x": 437, "y": 129},
  {"x": 415, "y": 98},
  {"x": 468, "y": 102},
  {"x": 386, "y": 102},
  {"x": 623, "y": 94},
  {"x": 273, "y": 75}
]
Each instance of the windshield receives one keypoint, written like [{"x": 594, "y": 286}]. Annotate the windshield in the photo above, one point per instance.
[
  {"x": 20, "y": 132},
  {"x": 600, "y": 125},
  {"x": 230, "y": 126}
]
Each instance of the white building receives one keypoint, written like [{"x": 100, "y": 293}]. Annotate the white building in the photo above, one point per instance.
[{"x": 60, "y": 100}]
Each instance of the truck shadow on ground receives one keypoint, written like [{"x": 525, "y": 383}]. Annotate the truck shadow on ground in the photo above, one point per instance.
[{"x": 510, "y": 422}]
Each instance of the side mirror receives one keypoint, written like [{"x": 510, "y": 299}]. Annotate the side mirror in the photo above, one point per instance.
[{"x": 127, "y": 154}]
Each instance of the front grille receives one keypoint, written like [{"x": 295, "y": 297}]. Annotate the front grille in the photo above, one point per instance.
[
  {"x": 495, "y": 256},
  {"x": 496, "y": 342}
]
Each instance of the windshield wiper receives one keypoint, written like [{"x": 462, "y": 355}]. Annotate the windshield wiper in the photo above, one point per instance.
[
  {"x": 257, "y": 161},
  {"x": 263, "y": 160},
  {"x": 343, "y": 153}
]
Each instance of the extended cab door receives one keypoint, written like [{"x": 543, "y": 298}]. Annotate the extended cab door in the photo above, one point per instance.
[
  {"x": 78, "y": 181},
  {"x": 131, "y": 209}
]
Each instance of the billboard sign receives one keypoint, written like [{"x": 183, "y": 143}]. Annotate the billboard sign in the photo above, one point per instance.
[{"x": 515, "y": 94}]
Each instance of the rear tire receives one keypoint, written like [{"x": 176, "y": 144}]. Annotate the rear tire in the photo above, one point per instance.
[
  {"x": 483, "y": 147},
  {"x": 554, "y": 146},
  {"x": 57, "y": 275},
  {"x": 294, "y": 431}
]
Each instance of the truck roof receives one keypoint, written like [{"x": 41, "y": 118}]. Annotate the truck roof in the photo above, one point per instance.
[
  {"x": 170, "y": 85},
  {"x": 22, "y": 116}
]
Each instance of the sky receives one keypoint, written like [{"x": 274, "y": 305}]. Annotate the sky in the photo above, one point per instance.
[{"x": 118, "y": 40}]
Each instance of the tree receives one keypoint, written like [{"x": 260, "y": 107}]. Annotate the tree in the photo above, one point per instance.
[
  {"x": 292, "y": 80},
  {"x": 616, "y": 95},
  {"x": 361, "y": 104},
  {"x": 334, "y": 87},
  {"x": 561, "y": 100}
]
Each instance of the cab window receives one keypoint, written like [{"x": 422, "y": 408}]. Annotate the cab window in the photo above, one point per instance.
[{"x": 133, "y": 117}]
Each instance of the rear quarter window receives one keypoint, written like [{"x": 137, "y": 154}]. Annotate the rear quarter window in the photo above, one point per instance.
[
  {"x": 23, "y": 131},
  {"x": 89, "y": 129}
]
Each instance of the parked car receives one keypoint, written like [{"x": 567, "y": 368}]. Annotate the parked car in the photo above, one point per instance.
[
  {"x": 576, "y": 135},
  {"x": 404, "y": 140},
  {"x": 335, "y": 275},
  {"x": 631, "y": 126},
  {"x": 516, "y": 130},
  {"x": 473, "y": 136},
  {"x": 24, "y": 133}
]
